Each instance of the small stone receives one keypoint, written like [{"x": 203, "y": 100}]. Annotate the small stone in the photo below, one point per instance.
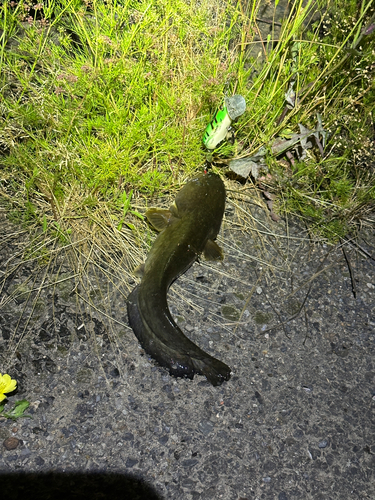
[
  {"x": 164, "y": 439},
  {"x": 39, "y": 461},
  {"x": 11, "y": 443},
  {"x": 205, "y": 426},
  {"x": 190, "y": 462},
  {"x": 323, "y": 444},
  {"x": 130, "y": 462}
]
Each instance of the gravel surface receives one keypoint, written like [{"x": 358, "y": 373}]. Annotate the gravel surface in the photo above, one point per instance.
[{"x": 295, "y": 421}]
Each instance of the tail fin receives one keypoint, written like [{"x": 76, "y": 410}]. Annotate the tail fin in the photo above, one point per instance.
[
  {"x": 180, "y": 355},
  {"x": 216, "y": 371}
]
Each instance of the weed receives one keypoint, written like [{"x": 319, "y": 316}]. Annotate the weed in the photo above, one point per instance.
[
  {"x": 104, "y": 106},
  {"x": 108, "y": 98}
]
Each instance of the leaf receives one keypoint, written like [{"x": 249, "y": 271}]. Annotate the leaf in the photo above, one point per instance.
[
  {"x": 18, "y": 411},
  {"x": 137, "y": 214},
  {"x": 268, "y": 195},
  {"x": 44, "y": 223},
  {"x": 126, "y": 199},
  {"x": 296, "y": 47},
  {"x": 280, "y": 145},
  {"x": 253, "y": 164},
  {"x": 290, "y": 96},
  {"x": 243, "y": 167},
  {"x": 274, "y": 216},
  {"x": 286, "y": 133},
  {"x": 247, "y": 165},
  {"x": 305, "y": 144}
]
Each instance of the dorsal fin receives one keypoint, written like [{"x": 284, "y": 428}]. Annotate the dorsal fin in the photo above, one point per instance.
[
  {"x": 139, "y": 270},
  {"x": 160, "y": 218}
]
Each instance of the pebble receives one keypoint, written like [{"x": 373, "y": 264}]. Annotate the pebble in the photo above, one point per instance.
[
  {"x": 205, "y": 426},
  {"x": 11, "y": 443}
]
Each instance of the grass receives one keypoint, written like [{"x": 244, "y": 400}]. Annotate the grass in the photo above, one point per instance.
[{"x": 104, "y": 105}]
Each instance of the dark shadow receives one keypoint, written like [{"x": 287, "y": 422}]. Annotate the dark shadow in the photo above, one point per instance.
[{"x": 75, "y": 486}]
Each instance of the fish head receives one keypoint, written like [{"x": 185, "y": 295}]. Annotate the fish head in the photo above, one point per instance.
[{"x": 203, "y": 196}]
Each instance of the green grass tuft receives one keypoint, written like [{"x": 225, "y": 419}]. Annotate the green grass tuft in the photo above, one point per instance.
[{"x": 105, "y": 104}]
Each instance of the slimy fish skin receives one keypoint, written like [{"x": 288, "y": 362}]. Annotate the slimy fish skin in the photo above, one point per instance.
[{"x": 187, "y": 229}]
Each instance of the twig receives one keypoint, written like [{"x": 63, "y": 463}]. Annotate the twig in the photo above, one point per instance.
[
  {"x": 281, "y": 323},
  {"x": 350, "y": 271},
  {"x": 361, "y": 249},
  {"x": 268, "y": 21},
  {"x": 307, "y": 327},
  {"x": 319, "y": 271},
  {"x": 292, "y": 317},
  {"x": 249, "y": 298}
]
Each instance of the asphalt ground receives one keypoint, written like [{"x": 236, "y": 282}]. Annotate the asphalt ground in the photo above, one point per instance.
[{"x": 292, "y": 317}]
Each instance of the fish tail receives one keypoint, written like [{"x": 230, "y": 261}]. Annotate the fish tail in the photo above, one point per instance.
[
  {"x": 216, "y": 371},
  {"x": 181, "y": 360}
]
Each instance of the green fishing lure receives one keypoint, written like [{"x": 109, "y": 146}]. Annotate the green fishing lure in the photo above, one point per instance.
[{"x": 220, "y": 124}]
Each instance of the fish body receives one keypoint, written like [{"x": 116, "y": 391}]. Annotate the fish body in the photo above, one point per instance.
[{"x": 188, "y": 229}]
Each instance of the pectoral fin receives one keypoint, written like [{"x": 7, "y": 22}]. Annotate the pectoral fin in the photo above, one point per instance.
[
  {"x": 160, "y": 218},
  {"x": 212, "y": 251},
  {"x": 139, "y": 271}
]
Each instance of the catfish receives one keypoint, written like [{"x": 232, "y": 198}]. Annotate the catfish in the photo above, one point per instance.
[{"x": 187, "y": 230}]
